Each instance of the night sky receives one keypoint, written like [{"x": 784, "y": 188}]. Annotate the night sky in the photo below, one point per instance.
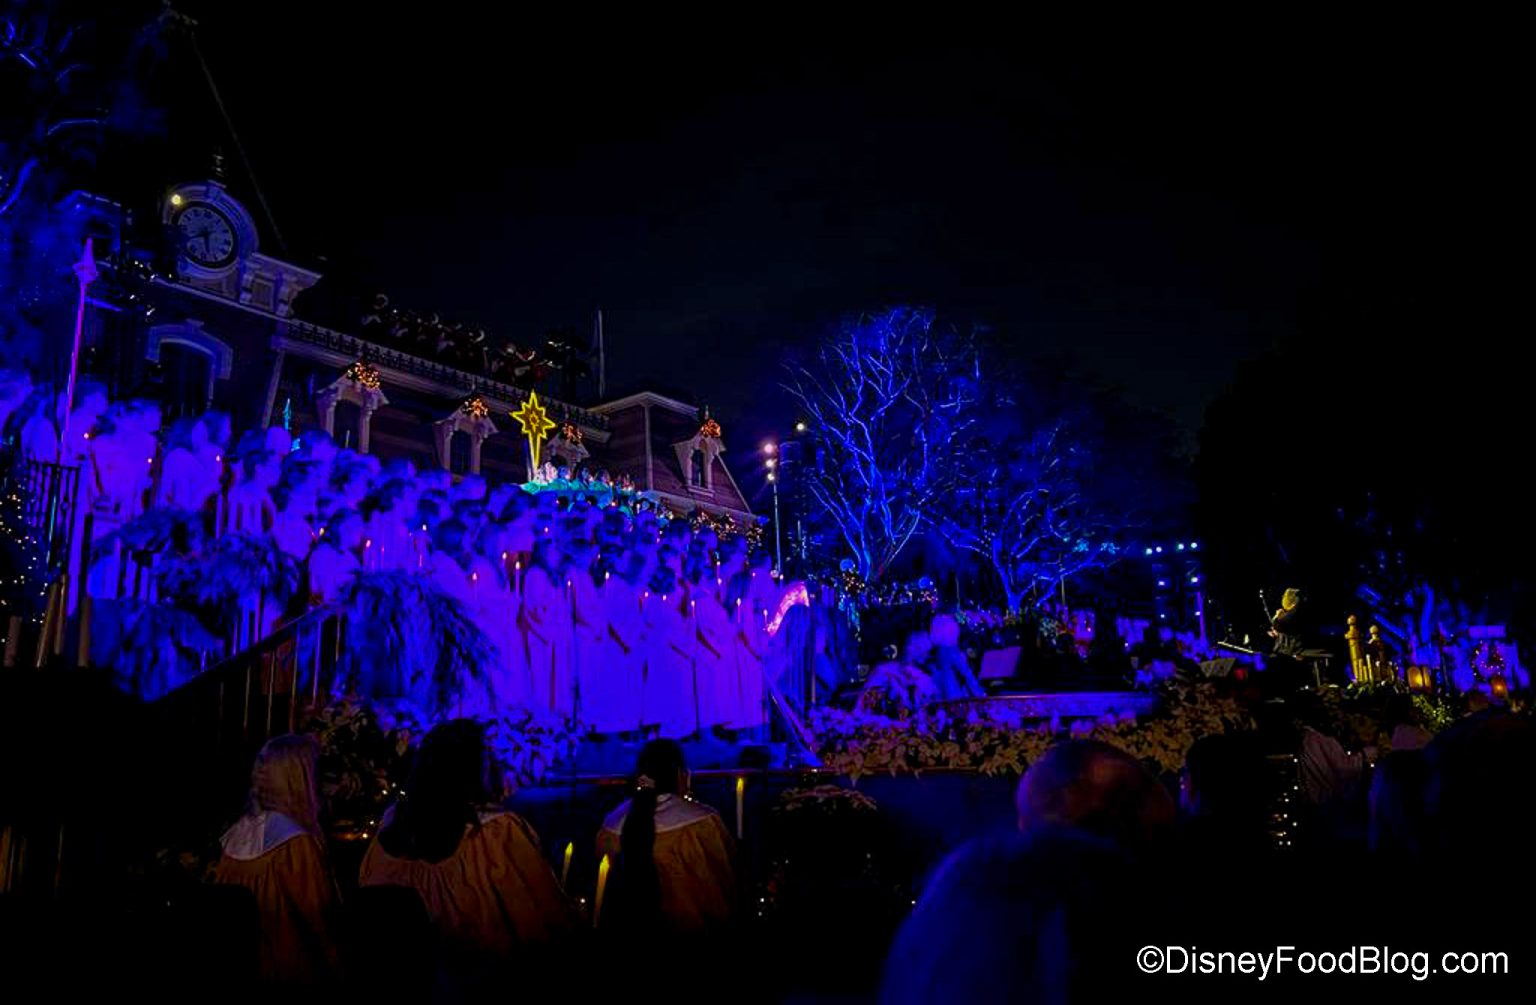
[{"x": 722, "y": 191}]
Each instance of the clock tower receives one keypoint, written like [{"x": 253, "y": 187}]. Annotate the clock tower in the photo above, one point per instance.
[{"x": 217, "y": 250}]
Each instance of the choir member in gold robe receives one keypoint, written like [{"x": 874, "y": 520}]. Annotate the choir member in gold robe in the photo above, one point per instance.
[
  {"x": 477, "y": 868},
  {"x": 277, "y": 852},
  {"x": 672, "y": 857}
]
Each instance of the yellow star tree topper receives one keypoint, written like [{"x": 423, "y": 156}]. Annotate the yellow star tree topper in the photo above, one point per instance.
[{"x": 536, "y": 424}]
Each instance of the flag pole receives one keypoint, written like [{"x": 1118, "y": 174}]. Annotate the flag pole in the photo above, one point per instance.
[{"x": 602, "y": 359}]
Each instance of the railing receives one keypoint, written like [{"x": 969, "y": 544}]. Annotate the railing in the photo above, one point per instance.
[
  {"x": 384, "y": 356},
  {"x": 48, "y": 494},
  {"x": 260, "y": 692}
]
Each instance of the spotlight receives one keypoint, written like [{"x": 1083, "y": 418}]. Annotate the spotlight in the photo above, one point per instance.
[
  {"x": 1194, "y": 579},
  {"x": 770, "y": 462},
  {"x": 799, "y": 427},
  {"x": 176, "y": 199},
  {"x": 771, "y": 477},
  {"x": 1149, "y": 551},
  {"x": 1194, "y": 546},
  {"x": 1158, "y": 549},
  {"x": 770, "y": 448},
  {"x": 1181, "y": 546}
]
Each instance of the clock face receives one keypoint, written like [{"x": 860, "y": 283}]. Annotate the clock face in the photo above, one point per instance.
[{"x": 207, "y": 235}]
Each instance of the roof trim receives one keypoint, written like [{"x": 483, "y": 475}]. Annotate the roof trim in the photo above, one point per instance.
[{"x": 645, "y": 398}]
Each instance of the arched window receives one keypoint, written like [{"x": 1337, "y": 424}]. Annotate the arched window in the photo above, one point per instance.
[
  {"x": 189, "y": 361},
  {"x": 186, "y": 379}
]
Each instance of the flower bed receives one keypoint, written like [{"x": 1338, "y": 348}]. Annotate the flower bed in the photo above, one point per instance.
[{"x": 993, "y": 742}]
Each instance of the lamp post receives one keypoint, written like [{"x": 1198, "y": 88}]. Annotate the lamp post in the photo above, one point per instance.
[{"x": 772, "y": 450}]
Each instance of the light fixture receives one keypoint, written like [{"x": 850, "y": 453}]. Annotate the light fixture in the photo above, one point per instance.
[
  {"x": 771, "y": 462},
  {"x": 1159, "y": 549},
  {"x": 770, "y": 448},
  {"x": 1194, "y": 579},
  {"x": 175, "y": 198},
  {"x": 799, "y": 427},
  {"x": 1181, "y": 546},
  {"x": 771, "y": 477}
]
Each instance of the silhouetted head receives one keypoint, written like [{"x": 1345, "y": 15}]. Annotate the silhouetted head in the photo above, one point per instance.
[
  {"x": 283, "y": 780},
  {"x": 452, "y": 779},
  {"x": 1026, "y": 918},
  {"x": 1100, "y": 789}
]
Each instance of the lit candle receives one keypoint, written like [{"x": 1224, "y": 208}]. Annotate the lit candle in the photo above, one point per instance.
[
  {"x": 741, "y": 803},
  {"x": 565, "y": 869},
  {"x": 602, "y": 884}
]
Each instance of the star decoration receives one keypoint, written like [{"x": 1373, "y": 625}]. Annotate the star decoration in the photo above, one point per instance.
[{"x": 536, "y": 424}]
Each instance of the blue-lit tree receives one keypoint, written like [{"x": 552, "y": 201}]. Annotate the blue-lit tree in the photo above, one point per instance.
[
  {"x": 888, "y": 396},
  {"x": 66, "y": 81},
  {"x": 1028, "y": 510}
]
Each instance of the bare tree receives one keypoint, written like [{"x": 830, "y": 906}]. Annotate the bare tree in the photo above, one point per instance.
[
  {"x": 1028, "y": 509},
  {"x": 888, "y": 398}
]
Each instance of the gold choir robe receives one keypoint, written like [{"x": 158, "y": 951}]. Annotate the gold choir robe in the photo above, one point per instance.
[
  {"x": 284, "y": 867},
  {"x": 693, "y": 856},
  {"x": 495, "y": 893}
]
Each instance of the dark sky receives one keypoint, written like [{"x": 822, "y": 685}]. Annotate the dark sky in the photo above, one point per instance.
[{"x": 723, "y": 190}]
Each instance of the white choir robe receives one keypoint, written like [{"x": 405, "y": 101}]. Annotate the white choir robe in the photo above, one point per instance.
[
  {"x": 714, "y": 663},
  {"x": 669, "y": 699},
  {"x": 250, "y": 508},
  {"x": 496, "y": 612},
  {"x": 593, "y": 651},
  {"x": 750, "y": 645},
  {"x": 624, "y": 678},
  {"x": 330, "y": 572},
  {"x": 547, "y": 619},
  {"x": 293, "y": 534},
  {"x": 186, "y": 482},
  {"x": 391, "y": 544}
]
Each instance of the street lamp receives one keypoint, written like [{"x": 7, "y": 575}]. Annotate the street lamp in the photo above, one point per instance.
[{"x": 773, "y": 479}]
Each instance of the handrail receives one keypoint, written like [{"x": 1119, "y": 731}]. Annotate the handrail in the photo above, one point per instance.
[{"x": 291, "y": 670}]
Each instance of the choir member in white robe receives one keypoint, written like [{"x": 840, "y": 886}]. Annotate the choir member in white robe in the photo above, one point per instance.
[
  {"x": 714, "y": 663},
  {"x": 669, "y": 702},
  {"x": 624, "y": 680},
  {"x": 490, "y": 604},
  {"x": 250, "y": 502},
  {"x": 547, "y": 622},
  {"x": 333, "y": 561},
  {"x": 750, "y": 646},
  {"x": 600, "y": 707}
]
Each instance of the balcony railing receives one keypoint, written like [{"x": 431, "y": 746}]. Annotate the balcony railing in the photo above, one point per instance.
[{"x": 394, "y": 359}]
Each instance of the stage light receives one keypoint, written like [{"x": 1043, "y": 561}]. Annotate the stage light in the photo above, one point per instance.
[
  {"x": 1181, "y": 546},
  {"x": 770, "y": 462},
  {"x": 1162, "y": 582},
  {"x": 799, "y": 427},
  {"x": 176, "y": 199},
  {"x": 1149, "y": 551},
  {"x": 1194, "y": 579},
  {"x": 771, "y": 477},
  {"x": 1158, "y": 549},
  {"x": 1194, "y": 546},
  {"x": 770, "y": 448}
]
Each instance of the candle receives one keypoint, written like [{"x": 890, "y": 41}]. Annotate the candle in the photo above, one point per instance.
[
  {"x": 565, "y": 869},
  {"x": 602, "y": 884},
  {"x": 741, "y": 795}
]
